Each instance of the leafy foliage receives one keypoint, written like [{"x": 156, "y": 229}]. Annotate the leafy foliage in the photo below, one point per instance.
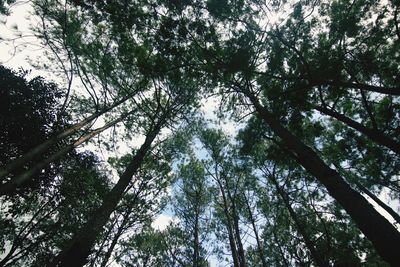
[{"x": 313, "y": 84}]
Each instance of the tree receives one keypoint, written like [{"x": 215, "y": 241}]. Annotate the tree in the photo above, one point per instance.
[
  {"x": 288, "y": 197},
  {"x": 46, "y": 220},
  {"x": 79, "y": 248},
  {"x": 141, "y": 201},
  {"x": 242, "y": 82},
  {"x": 153, "y": 248},
  {"x": 191, "y": 202},
  {"x": 227, "y": 202}
]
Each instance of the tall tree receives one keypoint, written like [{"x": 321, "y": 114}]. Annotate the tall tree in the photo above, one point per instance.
[
  {"x": 220, "y": 168},
  {"x": 191, "y": 203},
  {"x": 81, "y": 244},
  {"x": 240, "y": 78}
]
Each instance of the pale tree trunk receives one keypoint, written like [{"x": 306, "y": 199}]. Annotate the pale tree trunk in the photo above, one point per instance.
[
  {"x": 40, "y": 149},
  {"x": 9, "y": 187},
  {"x": 383, "y": 205}
]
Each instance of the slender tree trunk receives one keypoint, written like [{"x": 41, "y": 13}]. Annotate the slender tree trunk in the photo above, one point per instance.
[
  {"x": 242, "y": 257},
  {"x": 103, "y": 243},
  {"x": 343, "y": 84},
  {"x": 114, "y": 241},
  {"x": 77, "y": 251},
  {"x": 319, "y": 261},
  {"x": 281, "y": 252},
  {"x": 374, "y": 226},
  {"x": 196, "y": 245},
  {"x": 235, "y": 219},
  {"x": 121, "y": 228},
  {"x": 10, "y": 187},
  {"x": 373, "y": 134},
  {"x": 253, "y": 224},
  {"x": 383, "y": 205},
  {"x": 232, "y": 242},
  {"x": 40, "y": 149}
]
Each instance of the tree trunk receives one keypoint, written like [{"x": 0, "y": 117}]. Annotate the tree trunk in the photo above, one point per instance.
[
  {"x": 235, "y": 219},
  {"x": 365, "y": 87},
  {"x": 374, "y": 226},
  {"x": 40, "y": 149},
  {"x": 103, "y": 243},
  {"x": 9, "y": 187},
  {"x": 373, "y": 134},
  {"x": 242, "y": 257},
  {"x": 114, "y": 242},
  {"x": 253, "y": 224},
  {"x": 232, "y": 243},
  {"x": 77, "y": 251},
  {"x": 388, "y": 209},
  {"x": 281, "y": 252},
  {"x": 319, "y": 261},
  {"x": 196, "y": 245}
]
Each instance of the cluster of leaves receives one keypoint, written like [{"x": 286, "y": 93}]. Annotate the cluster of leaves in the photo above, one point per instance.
[{"x": 29, "y": 116}]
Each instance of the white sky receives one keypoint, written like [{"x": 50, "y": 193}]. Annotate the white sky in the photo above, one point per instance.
[{"x": 16, "y": 27}]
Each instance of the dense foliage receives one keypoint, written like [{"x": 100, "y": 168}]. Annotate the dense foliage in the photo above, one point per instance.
[{"x": 308, "y": 177}]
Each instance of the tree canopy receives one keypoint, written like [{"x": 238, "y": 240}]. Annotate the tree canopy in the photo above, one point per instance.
[{"x": 309, "y": 175}]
